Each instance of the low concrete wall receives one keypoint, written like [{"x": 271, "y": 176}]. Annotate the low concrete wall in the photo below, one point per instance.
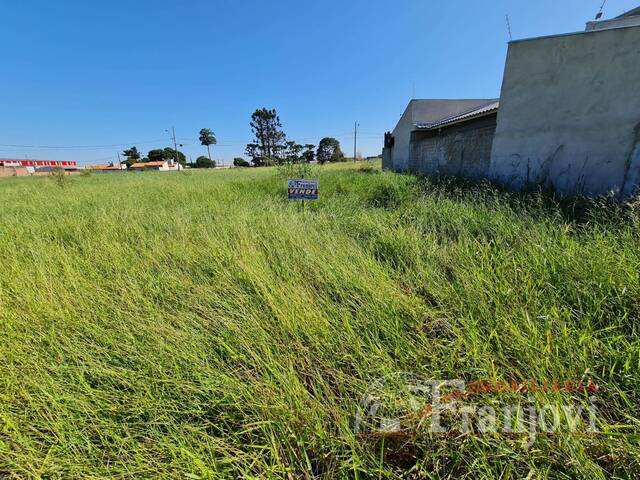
[
  {"x": 462, "y": 150},
  {"x": 569, "y": 114},
  {"x": 13, "y": 172}
]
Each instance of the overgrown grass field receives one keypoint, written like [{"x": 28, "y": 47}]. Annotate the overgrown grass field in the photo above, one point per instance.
[{"x": 199, "y": 325}]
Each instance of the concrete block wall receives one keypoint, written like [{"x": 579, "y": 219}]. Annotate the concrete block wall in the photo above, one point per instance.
[{"x": 462, "y": 151}]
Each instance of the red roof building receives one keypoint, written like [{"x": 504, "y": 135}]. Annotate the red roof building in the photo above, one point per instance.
[{"x": 8, "y": 162}]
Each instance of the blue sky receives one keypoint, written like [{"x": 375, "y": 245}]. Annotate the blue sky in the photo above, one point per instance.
[{"x": 92, "y": 75}]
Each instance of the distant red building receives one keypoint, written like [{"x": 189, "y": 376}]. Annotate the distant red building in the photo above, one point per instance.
[{"x": 7, "y": 162}]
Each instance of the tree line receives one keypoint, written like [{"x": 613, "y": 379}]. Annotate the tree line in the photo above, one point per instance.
[{"x": 269, "y": 147}]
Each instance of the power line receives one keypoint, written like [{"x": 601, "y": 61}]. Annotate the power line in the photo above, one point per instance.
[
  {"x": 80, "y": 147},
  {"x": 12, "y": 149},
  {"x": 244, "y": 142},
  {"x": 110, "y": 158}
]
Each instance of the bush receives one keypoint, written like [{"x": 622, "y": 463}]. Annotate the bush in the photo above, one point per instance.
[
  {"x": 60, "y": 177},
  {"x": 240, "y": 162},
  {"x": 204, "y": 162}
]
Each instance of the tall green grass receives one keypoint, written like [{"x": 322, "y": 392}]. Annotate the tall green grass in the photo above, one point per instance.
[{"x": 201, "y": 326}]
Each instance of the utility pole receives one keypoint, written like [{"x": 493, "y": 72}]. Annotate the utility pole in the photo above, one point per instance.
[
  {"x": 119, "y": 162},
  {"x": 175, "y": 147},
  {"x": 355, "y": 140}
]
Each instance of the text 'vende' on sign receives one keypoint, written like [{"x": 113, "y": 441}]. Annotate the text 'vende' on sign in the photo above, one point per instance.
[{"x": 301, "y": 189}]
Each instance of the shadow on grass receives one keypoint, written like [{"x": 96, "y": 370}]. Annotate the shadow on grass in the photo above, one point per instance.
[{"x": 579, "y": 210}]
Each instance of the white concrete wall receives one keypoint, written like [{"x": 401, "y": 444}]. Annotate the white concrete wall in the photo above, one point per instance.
[{"x": 569, "y": 113}]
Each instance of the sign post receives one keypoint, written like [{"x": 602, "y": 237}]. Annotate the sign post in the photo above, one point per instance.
[{"x": 302, "y": 189}]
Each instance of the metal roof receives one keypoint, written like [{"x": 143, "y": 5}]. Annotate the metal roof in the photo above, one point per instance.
[
  {"x": 461, "y": 117},
  {"x": 436, "y": 110},
  {"x": 631, "y": 13}
]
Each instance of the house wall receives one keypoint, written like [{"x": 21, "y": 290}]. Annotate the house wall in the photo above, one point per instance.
[
  {"x": 398, "y": 156},
  {"x": 462, "y": 150},
  {"x": 169, "y": 168},
  {"x": 570, "y": 113},
  {"x": 421, "y": 111}
]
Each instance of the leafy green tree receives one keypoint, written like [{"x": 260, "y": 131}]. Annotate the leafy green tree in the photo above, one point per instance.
[
  {"x": 329, "y": 151},
  {"x": 292, "y": 152},
  {"x": 253, "y": 152},
  {"x": 204, "y": 162},
  {"x": 268, "y": 146},
  {"x": 157, "y": 155},
  {"x": 168, "y": 153},
  {"x": 132, "y": 155},
  {"x": 207, "y": 138},
  {"x": 309, "y": 155},
  {"x": 240, "y": 162}
]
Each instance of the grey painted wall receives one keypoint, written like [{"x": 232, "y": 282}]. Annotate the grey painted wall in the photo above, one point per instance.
[
  {"x": 569, "y": 113},
  {"x": 462, "y": 150},
  {"x": 399, "y": 154}
]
